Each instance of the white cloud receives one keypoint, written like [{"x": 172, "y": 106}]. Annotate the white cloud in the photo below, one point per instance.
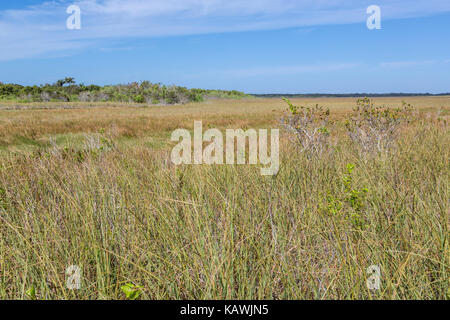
[
  {"x": 406, "y": 64},
  {"x": 40, "y": 30}
]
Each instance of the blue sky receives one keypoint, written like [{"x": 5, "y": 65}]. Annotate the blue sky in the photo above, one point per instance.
[{"x": 257, "y": 46}]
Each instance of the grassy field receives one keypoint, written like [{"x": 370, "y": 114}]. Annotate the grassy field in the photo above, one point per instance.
[{"x": 92, "y": 185}]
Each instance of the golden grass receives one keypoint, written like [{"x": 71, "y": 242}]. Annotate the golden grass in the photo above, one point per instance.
[
  {"x": 124, "y": 213},
  {"x": 129, "y": 121}
]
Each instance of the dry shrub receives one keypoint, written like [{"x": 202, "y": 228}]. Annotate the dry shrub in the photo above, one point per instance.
[
  {"x": 308, "y": 127},
  {"x": 375, "y": 129}
]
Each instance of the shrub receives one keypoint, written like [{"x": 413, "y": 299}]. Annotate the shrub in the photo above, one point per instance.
[
  {"x": 139, "y": 99},
  {"x": 375, "y": 129},
  {"x": 349, "y": 204},
  {"x": 308, "y": 127},
  {"x": 67, "y": 90}
]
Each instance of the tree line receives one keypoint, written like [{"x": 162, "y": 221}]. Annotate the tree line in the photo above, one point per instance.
[{"x": 67, "y": 90}]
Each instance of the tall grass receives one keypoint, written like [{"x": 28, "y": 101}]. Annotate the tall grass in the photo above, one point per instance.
[{"x": 226, "y": 232}]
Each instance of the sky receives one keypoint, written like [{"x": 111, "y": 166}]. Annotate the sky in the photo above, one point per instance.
[{"x": 256, "y": 46}]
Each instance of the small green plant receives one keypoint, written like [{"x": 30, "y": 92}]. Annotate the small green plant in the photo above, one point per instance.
[
  {"x": 351, "y": 203},
  {"x": 333, "y": 206},
  {"x": 131, "y": 291},
  {"x": 31, "y": 292},
  {"x": 355, "y": 198}
]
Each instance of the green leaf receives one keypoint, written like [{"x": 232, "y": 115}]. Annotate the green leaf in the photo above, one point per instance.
[
  {"x": 31, "y": 292},
  {"x": 131, "y": 291}
]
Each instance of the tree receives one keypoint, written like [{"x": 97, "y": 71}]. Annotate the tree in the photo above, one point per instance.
[{"x": 67, "y": 80}]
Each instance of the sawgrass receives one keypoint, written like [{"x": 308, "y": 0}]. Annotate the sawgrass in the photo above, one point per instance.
[{"x": 124, "y": 213}]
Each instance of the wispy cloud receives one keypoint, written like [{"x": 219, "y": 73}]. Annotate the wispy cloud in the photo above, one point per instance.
[
  {"x": 406, "y": 64},
  {"x": 39, "y": 30}
]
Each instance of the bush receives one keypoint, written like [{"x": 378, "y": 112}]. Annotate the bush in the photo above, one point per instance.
[
  {"x": 68, "y": 90},
  {"x": 139, "y": 99},
  {"x": 375, "y": 129},
  {"x": 308, "y": 127}
]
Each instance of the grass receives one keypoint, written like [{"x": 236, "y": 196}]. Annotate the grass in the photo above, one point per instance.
[{"x": 124, "y": 214}]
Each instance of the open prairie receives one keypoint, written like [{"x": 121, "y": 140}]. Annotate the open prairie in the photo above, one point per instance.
[
  {"x": 93, "y": 185},
  {"x": 25, "y": 126}
]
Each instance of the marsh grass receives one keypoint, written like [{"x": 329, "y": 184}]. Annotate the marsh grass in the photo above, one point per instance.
[{"x": 125, "y": 214}]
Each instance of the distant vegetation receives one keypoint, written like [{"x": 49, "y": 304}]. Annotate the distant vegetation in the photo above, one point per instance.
[
  {"x": 346, "y": 95},
  {"x": 67, "y": 90},
  {"x": 145, "y": 92}
]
